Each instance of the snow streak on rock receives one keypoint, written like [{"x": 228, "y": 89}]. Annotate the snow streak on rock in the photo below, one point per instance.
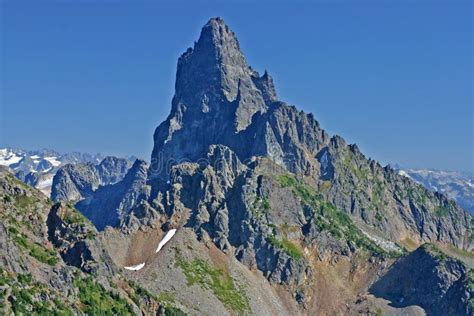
[
  {"x": 167, "y": 238},
  {"x": 136, "y": 267}
]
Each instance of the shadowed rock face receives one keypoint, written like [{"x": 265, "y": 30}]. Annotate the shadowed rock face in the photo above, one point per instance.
[
  {"x": 110, "y": 204},
  {"x": 429, "y": 279},
  {"x": 104, "y": 193},
  {"x": 75, "y": 239}
]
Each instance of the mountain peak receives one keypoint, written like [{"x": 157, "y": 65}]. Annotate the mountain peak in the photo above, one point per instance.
[
  {"x": 214, "y": 65},
  {"x": 214, "y": 79},
  {"x": 217, "y": 32}
]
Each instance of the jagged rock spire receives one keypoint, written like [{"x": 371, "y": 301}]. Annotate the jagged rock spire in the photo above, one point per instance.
[
  {"x": 214, "y": 73},
  {"x": 215, "y": 62}
]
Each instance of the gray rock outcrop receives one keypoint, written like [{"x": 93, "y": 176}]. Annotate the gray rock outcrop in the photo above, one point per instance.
[
  {"x": 74, "y": 182},
  {"x": 110, "y": 204},
  {"x": 430, "y": 279}
]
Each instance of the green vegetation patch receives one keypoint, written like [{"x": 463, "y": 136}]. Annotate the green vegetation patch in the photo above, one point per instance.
[
  {"x": 377, "y": 195},
  {"x": 461, "y": 252},
  {"x": 329, "y": 218},
  {"x": 286, "y": 246},
  {"x": 435, "y": 251},
  {"x": 261, "y": 206},
  {"x": 325, "y": 186},
  {"x": 378, "y": 216},
  {"x": 442, "y": 211},
  {"x": 24, "y": 297},
  {"x": 14, "y": 181},
  {"x": 470, "y": 284},
  {"x": 96, "y": 300},
  {"x": 38, "y": 251},
  {"x": 300, "y": 189},
  {"x": 166, "y": 298},
  {"x": 470, "y": 279},
  {"x": 349, "y": 164},
  {"x": 73, "y": 216},
  {"x": 24, "y": 201},
  {"x": 217, "y": 280},
  {"x": 265, "y": 204},
  {"x": 173, "y": 311},
  {"x": 5, "y": 278},
  {"x": 8, "y": 199},
  {"x": 140, "y": 294}
]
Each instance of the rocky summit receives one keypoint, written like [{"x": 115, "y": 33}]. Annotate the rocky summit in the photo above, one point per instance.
[{"x": 248, "y": 206}]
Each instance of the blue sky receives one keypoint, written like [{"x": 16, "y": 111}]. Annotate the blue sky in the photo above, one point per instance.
[{"x": 395, "y": 77}]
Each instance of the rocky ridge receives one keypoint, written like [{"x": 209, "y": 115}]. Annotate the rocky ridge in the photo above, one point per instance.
[{"x": 75, "y": 182}]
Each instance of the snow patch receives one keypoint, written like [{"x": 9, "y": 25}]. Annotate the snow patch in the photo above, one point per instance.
[
  {"x": 324, "y": 160},
  {"x": 404, "y": 174},
  {"x": 135, "y": 267},
  {"x": 167, "y": 238},
  {"x": 53, "y": 160},
  {"x": 44, "y": 184},
  {"x": 385, "y": 244},
  {"x": 8, "y": 160}
]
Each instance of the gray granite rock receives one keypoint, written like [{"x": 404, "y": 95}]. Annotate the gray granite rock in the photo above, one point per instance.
[{"x": 74, "y": 182}]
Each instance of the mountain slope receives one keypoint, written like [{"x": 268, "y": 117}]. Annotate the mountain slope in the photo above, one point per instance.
[{"x": 51, "y": 260}]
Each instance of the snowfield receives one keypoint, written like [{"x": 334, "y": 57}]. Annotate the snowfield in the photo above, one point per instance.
[
  {"x": 53, "y": 160},
  {"x": 167, "y": 238},
  {"x": 136, "y": 267},
  {"x": 385, "y": 244},
  {"x": 8, "y": 158}
]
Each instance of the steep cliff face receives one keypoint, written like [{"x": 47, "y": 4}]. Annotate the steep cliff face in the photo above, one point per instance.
[
  {"x": 74, "y": 182},
  {"x": 110, "y": 204},
  {"x": 104, "y": 192},
  {"x": 216, "y": 96}
]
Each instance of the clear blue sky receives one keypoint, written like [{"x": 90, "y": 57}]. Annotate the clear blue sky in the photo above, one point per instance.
[{"x": 98, "y": 76}]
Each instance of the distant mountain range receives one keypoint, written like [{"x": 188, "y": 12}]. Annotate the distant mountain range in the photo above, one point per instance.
[
  {"x": 38, "y": 167},
  {"x": 457, "y": 185}
]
